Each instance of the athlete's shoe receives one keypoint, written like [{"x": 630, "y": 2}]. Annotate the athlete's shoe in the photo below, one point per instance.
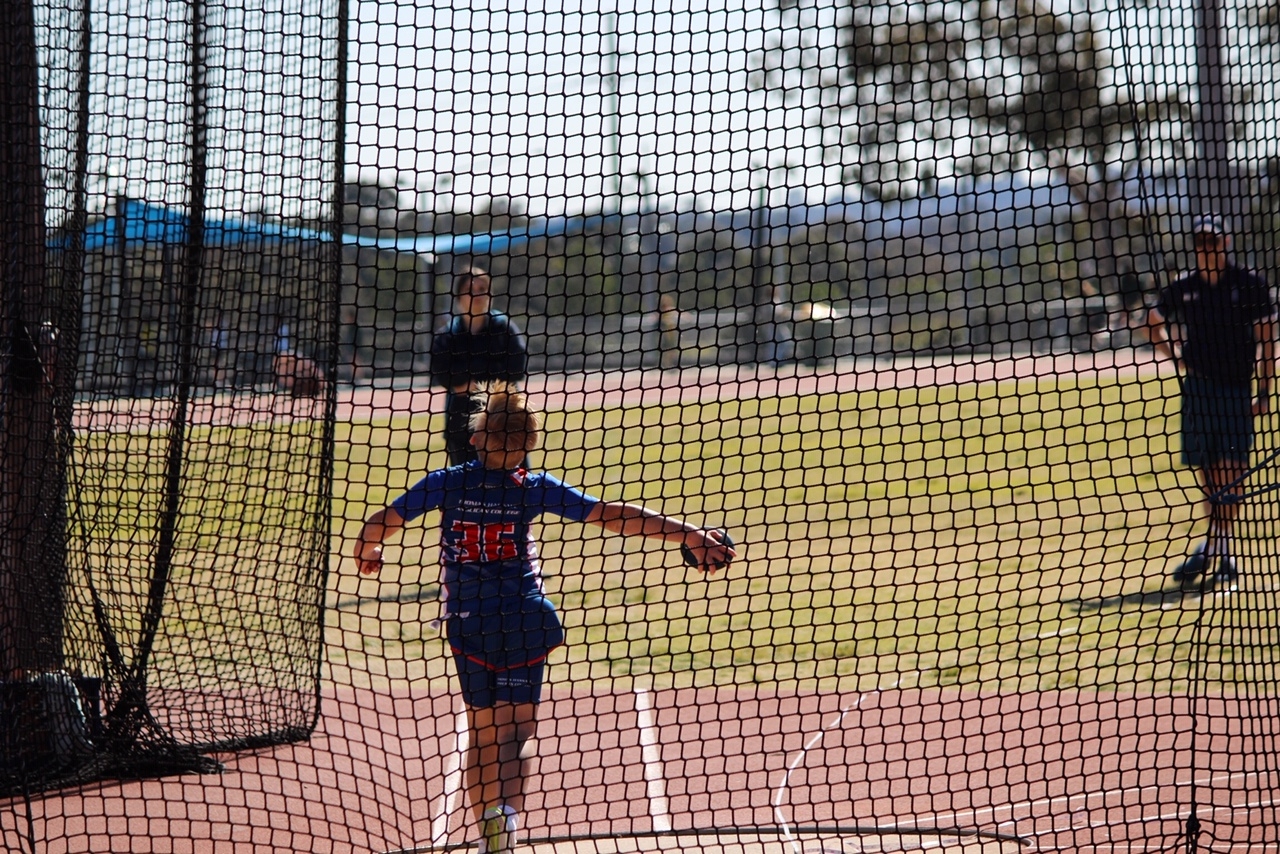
[
  {"x": 498, "y": 830},
  {"x": 1187, "y": 573},
  {"x": 1225, "y": 578}
]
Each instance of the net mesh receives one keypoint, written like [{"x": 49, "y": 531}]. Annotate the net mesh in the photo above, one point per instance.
[{"x": 879, "y": 289}]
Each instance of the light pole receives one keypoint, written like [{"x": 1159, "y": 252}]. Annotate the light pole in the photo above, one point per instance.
[
  {"x": 613, "y": 197},
  {"x": 762, "y": 286},
  {"x": 1213, "y": 180}
]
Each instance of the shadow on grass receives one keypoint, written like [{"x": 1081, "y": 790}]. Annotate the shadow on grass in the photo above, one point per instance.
[
  {"x": 1139, "y": 600},
  {"x": 405, "y": 594}
]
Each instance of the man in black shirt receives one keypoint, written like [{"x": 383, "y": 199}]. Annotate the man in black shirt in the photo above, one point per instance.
[
  {"x": 480, "y": 344},
  {"x": 1210, "y": 322}
]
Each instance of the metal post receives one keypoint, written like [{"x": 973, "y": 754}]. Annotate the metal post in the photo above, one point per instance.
[{"x": 32, "y": 565}]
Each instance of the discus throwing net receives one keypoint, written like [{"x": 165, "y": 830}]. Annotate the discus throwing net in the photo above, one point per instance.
[
  {"x": 184, "y": 388},
  {"x": 862, "y": 283}
]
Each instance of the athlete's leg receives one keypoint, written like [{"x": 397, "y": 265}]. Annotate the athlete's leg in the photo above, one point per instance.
[
  {"x": 502, "y": 711},
  {"x": 496, "y": 768}
]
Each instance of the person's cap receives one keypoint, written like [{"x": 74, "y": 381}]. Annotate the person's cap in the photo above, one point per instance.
[{"x": 1209, "y": 224}]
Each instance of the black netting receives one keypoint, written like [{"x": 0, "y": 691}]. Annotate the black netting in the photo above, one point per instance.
[
  {"x": 183, "y": 380},
  {"x": 956, "y": 317}
]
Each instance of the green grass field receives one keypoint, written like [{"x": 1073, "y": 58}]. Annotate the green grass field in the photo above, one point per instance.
[
  {"x": 239, "y": 604},
  {"x": 1011, "y": 536}
]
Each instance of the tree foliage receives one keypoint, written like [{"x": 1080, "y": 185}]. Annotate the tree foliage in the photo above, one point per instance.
[{"x": 902, "y": 93}]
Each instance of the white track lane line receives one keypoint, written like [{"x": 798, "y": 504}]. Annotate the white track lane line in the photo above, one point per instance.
[
  {"x": 651, "y": 755},
  {"x": 452, "y": 793},
  {"x": 795, "y": 763}
]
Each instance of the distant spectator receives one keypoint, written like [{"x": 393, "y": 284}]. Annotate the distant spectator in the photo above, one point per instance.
[
  {"x": 295, "y": 373},
  {"x": 1218, "y": 324},
  {"x": 478, "y": 345},
  {"x": 669, "y": 335},
  {"x": 222, "y": 357}
]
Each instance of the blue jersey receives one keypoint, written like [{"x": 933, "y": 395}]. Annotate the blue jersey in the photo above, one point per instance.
[{"x": 487, "y": 550}]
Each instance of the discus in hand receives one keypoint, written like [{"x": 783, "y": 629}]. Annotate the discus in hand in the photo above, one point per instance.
[{"x": 692, "y": 559}]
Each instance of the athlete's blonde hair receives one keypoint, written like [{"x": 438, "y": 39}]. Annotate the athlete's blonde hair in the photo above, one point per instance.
[{"x": 505, "y": 410}]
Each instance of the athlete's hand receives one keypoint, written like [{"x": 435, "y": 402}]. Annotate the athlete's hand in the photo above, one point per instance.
[
  {"x": 708, "y": 550},
  {"x": 369, "y": 557}
]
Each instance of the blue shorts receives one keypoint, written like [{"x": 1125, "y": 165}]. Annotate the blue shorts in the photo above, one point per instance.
[
  {"x": 1217, "y": 422},
  {"x": 500, "y": 648},
  {"x": 484, "y": 688}
]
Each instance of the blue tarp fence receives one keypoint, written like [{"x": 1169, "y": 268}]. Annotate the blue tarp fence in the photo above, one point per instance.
[{"x": 139, "y": 223}]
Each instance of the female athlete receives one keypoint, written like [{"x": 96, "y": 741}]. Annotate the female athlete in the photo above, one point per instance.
[{"x": 499, "y": 623}]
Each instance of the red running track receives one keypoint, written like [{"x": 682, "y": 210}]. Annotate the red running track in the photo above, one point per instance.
[{"x": 1067, "y": 771}]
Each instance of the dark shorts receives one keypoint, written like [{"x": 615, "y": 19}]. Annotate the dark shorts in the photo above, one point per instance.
[
  {"x": 501, "y": 652},
  {"x": 483, "y": 688},
  {"x": 1217, "y": 422}
]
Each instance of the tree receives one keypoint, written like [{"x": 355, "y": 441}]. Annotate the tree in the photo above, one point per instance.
[
  {"x": 373, "y": 207},
  {"x": 903, "y": 94}
]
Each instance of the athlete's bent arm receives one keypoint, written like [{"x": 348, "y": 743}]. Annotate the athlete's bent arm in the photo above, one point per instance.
[
  {"x": 1158, "y": 332},
  {"x": 379, "y": 526},
  {"x": 1265, "y": 330}
]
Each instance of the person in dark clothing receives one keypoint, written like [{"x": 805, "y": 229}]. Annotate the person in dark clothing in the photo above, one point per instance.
[
  {"x": 480, "y": 344},
  {"x": 1211, "y": 323}
]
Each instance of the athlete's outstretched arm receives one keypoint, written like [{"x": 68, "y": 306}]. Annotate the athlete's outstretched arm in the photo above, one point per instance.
[
  {"x": 633, "y": 519},
  {"x": 368, "y": 549}
]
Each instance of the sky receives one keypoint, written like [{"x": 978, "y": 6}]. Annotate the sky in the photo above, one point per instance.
[
  {"x": 578, "y": 105},
  {"x": 269, "y": 70},
  {"x": 575, "y": 104}
]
